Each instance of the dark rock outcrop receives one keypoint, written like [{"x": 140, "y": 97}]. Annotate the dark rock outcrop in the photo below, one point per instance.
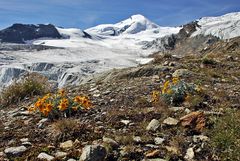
[
  {"x": 182, "y": 43},
  {"x": 18, "y": 33}
]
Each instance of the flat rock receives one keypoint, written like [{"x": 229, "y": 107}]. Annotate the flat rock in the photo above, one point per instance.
[
  {"x": 111, "y": 142},
  {"x": 125, "y": 122},
  {"x": 15, "y": 151},
  {"x": 67, "y": 144},
  {"x": 45, "y": 156},
  {"x": 60, "y": 154},
  {"x": 93, "y": 153},
  {"x": 41, "y": 123},
  {"x": 170, "y": 121},
  {"x": 24, "y": 140},
  {"x": 175, "y": 109},
  {"x": 181, "y": 73},
  {"x": 197, "y": 138},
  {"x": 155, "y": 159},
  {"x": 137, "y": 139},
  {"x": 153, "y": 125},
  {"x": 71, "y": 159}
]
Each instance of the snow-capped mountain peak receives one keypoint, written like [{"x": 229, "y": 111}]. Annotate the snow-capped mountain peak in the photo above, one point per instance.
[{"x": 134, "y": 24}]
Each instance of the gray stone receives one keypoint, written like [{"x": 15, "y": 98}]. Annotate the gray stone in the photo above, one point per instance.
[
  {"x": 110, "y": 141},
  {"x": 93, "y": 153},
  {"x": 197, "y": 138},
  {"x": 152, "y": 146},
  {"x": 181, "y": 73},
  {"x": 158, "y": 140},
  {"x": 41, "y": 123},
  {"x": 67, "y": 144},
  {"x": 24, "y": 140},
  {"x": 187, "y": 110},
  {"x": 175, "y": 109},
  {"x": 189, "y": 154},
  {"x": 45, "y": 156},
  {"x": 137, "y": 139},
  {"x": 60, "y": 154},
  {"x": 126, "y": 122},
  {"x": 155, "y": 159},
  {"x": 170, "y": 121},
  {"x": 71, "y": 159},
  {"x": 15, "y": 151},
  {"x": 22, "y": 113},
  {"x": 153, "y": 125}
]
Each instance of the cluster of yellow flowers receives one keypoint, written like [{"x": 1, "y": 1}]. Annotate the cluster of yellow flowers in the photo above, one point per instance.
[
  {"x": 60, "y": 102},
  {"x": 83, "y": 101},
  {"x": 166, "y": 87},
  {"x": 155, "y": 96}
]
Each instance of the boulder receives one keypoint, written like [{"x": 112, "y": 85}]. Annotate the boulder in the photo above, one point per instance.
[
  {"x": 153, "y": 125},
  {"x": 15, "y": 151},
  {"x": 45, "y": 156},
  {"x": 93, "y": 153},
  {"x": 67, "y": 144},
  {"x": 170, "y": 121}
]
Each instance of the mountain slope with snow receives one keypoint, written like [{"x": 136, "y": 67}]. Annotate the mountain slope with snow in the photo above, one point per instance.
[{"x": 223, "y": 27}]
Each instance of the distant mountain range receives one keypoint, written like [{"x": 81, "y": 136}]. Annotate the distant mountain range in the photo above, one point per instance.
[{"x": 223, "y": 27}]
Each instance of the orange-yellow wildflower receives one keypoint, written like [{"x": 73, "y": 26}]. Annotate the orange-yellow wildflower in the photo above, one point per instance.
[
  {"x": 63, "y": 104},
  {"x": 155, "y": 96},
  {"x": 175, "y": 80},
  {"x": 165, "y": 87}
]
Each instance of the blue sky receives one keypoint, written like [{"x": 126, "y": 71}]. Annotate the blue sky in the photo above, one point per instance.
[{"x": 87, "y": 13}]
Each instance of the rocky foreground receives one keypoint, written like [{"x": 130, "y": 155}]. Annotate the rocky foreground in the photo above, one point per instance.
[{"x": 126, "y": 125}]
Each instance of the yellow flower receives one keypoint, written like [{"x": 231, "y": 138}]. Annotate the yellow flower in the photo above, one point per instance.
[
  {"x": 32, "y": 109},
  {"x": 165, "y": 87},
  {"x": 169, "y": 91},
  {"x": 166, "y": 84},
  {"x": 45, "y": 112},
  {"x": 86, "y": 104},
  {"x": 78, "y": 99},
  {"x": 155, "y": 96},
  {"x": 63, "y": 104},
  {"x": 49, "y": 106},
  {"x": 175, "y": 80}
]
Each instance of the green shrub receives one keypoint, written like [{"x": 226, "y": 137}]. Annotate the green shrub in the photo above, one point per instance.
[
  {"x": 208, "y": 61},
  {"x": 30, "y": 85}
]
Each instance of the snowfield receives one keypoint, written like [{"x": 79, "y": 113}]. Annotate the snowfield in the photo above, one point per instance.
[
  {"x": 101, "y": 48},
  {"x": 223, "y": 27}
]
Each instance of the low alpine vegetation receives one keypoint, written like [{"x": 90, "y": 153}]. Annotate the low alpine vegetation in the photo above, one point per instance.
[
  {"x": 176, "y": 91},
  {"x": 31, "y": 85}
]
